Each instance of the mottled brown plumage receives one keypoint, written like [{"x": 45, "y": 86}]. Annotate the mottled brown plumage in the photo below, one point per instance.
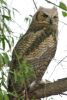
[{"x": 38, "y": 45}]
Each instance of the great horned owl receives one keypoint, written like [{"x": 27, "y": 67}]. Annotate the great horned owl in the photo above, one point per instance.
[{"x": 38, "y": 45}]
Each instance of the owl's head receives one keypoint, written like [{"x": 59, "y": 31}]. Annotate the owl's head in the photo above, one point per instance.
[{"x": 46, "y": 17}]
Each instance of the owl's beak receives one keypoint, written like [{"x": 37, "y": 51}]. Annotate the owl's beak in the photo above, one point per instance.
[{"x": 50, "y": 21}]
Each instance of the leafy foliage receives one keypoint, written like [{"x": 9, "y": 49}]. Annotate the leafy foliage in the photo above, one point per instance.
[
  {"x": 4, "y": 59},
  {"x": 25, "y": 72},
  {"x": 6, "y": 14},
  {"x": 5, "y": 18},
  {"x": 64, "y": 14},
  {"x": 64, "y": 8},
  {"x": 3, "y": 96}
]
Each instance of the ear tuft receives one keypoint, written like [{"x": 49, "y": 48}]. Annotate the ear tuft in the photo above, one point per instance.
[
  {"x": 54, "y": 7},
  {"x": 40, "y": 8}
]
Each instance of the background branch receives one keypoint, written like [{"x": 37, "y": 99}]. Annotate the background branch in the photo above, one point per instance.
[{"x": 34, "y": 4}]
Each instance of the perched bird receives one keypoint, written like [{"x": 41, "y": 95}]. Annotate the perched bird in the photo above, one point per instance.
[{"x": 37, "y": 46}]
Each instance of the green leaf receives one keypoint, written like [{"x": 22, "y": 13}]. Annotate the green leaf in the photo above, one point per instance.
[
  {"x": 5, "y": 58},
  {"x": 6, "y": 17},
  {"x": 12, "y": 41},
  {"x": 63, "y": 6},
  {"x": 3, "y": 2},
  {"x": 1, "y": 61},
  {"x": 7, "y": 27},
  {"x": 15, "y": 76},
  {"x": 1, "y": 95},
  {"x": 4, "y": 40},
  {"x": 8, "y": 42},
  {"x": 6, "y": 97},
  {"x": 64, "y": 14},
  {"x": 7, "y": 10},
  {"x": 3, "y": 43},
  {"x": 4, "y": 85}
]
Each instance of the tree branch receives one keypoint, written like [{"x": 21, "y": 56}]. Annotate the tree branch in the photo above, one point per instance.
[
  {"x": 44, "y": 90},
  {"x": 34, "y": 4}
]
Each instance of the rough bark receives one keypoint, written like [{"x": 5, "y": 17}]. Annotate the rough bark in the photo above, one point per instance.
[{"x": 45, "y": 90}]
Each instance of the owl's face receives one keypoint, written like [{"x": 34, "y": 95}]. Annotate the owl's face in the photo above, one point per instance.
[{"x": 46, "y": 18}]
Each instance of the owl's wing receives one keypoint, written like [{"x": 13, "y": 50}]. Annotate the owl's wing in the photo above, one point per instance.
[{"x": 42, "y": 54}]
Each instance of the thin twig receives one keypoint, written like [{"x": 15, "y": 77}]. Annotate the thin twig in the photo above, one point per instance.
[
  {"x": 57, "y": 65},
  {"x": 51, "y": 3},
  {"x": 34, "y": 4},
  {"x": 63, "y": 22},
  {"x": 54, "y": 4}
]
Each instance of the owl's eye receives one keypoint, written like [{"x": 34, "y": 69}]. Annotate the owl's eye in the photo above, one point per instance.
[
  {"x": 55, "y": 17},
  {"x": 45, "y": 15}
]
